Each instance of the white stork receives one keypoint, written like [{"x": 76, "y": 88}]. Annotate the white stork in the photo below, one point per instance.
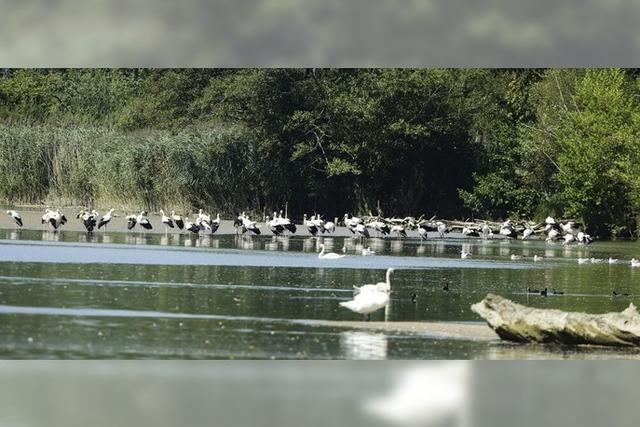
[
  {"x": 486, "y": 231},
  {"x": 132, "y": 220},
  {"x": 330, "y": 226},
  {"x": 215, "y": 224},
  {"x": 177, "y": 220},
  {"x": 88, "y": 219},
  {"x": 166, "y": 221},
  {"x": 17, "y": 219},
  {"x": 399, "y": 230},
  {"x": 310, "y": 224},
  {"x": 55, "y": 218},
  {"x": 190, "y": 226},
  {"x": 143, "y": 221},
  {"x": 568, "y": 238},
  {"x": 361, "y": 230},
  {"x": 274, "y": 225},
  {"x": 287, "y": 224},
  {"x": 508, "y": 230},
  {"x": 248, "y": 225},
  {"x": 104, "y": 221}
]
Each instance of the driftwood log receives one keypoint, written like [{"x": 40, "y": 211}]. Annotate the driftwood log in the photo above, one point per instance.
[{"x": 515, "y": 322}]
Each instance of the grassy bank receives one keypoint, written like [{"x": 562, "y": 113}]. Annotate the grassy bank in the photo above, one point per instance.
[{"x": 94, "y": 166}]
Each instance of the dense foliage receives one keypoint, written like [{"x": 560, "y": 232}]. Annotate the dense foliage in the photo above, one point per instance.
[{"x": 452, "y": 143}]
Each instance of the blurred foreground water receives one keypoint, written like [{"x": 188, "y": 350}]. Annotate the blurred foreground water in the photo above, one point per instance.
[{"x": 298, "y": 394}]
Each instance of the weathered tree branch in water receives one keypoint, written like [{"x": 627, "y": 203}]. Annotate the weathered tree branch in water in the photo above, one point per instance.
[{"x": 515, "y": 322}]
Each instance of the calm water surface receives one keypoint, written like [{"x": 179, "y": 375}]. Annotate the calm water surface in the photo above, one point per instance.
[{"x": 127, "y": 295}]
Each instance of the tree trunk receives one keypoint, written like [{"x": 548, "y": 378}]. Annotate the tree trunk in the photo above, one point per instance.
[{"x": 515, "y": 322}]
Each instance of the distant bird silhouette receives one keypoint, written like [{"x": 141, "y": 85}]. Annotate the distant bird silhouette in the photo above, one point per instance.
[
  {"x": 414, "y": 297},
  {"x": 446, "y": 287},
  {"x": 614, "y": 294},
  {"x": 543, "y": 292}
]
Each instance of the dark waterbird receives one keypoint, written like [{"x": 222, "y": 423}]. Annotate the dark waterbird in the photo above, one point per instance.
[
  {"x": 614, "y": 294},
  {"x": 543, "y": 292}
]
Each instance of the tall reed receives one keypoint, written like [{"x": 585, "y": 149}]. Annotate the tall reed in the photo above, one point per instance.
[{"x": 128, "y": 170}]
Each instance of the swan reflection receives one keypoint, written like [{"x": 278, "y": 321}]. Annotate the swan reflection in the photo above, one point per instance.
[{"x": 358, "y": 345}]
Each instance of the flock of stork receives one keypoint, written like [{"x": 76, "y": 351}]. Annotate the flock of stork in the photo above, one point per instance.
[{"x": 568, "y": 232}]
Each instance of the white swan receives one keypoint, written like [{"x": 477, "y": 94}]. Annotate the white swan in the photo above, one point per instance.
[
  {"x": 635, "y": 262},
  {"x": 367, "y": 252},
  {"x": 515, "y": 257},
  {"x": 612, "y": 260},
  {"x": 367, "y": 301},
  {"x": 378, "y": 287},
  {"x": 330, "y": 255},
  {"x": 465, "y": 254},
  {"x": 583, "y": 260},
  {"x": 537, "y": 258}
]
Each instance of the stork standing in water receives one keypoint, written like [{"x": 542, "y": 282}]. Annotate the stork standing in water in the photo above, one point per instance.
[
  {"x": 508, "y": 230},
  {"x": 470, "y": 232},
  {"x": 104, "y": 221},
  {"x": 287, "y": 224},
  {"x": 330, "y": 226},
  {"x": 132, "y": 220},
  {"x": 215, "y": 224},
  {"x": 399, "y": 230},
  {"x": 55, "y": 218},
  {"x": 203, "y": 221},
  {"x": 379, "y": 226},
  {"x": 486, "y": 231},
  {"x": 528, "y": 231},
  {"x": 88, "y": 219},
  {"x": 584, "y": 239},
  {"x": 362, "y": 230},
  {"x": 177, "y": 220},
  {"x": 318, "y": 222},
  {"x": 143, "y": 221},
  {"x": 568, "y": 239},
  {"x": 310, "y": 224},
  {"x": 423, "y": 230},
  {"x": 274, "y": 225},
  {"x": 351, "y": 222},
  {"x": 190, "y": 226},
  {"x": 45, "y": 216},
  {"x": 552, "y": 235},
  {"x": 17, "y": 219},
  {"x": 166, "y": 221},
  {"x": 237, "y": 223},
  {"x": 248, "y": 225}
]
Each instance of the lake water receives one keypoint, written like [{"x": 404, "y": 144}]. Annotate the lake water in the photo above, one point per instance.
[{"x": 129, "y": 295}]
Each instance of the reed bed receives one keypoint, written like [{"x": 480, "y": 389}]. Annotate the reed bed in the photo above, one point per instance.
[{"x": 100, "y": 167}]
